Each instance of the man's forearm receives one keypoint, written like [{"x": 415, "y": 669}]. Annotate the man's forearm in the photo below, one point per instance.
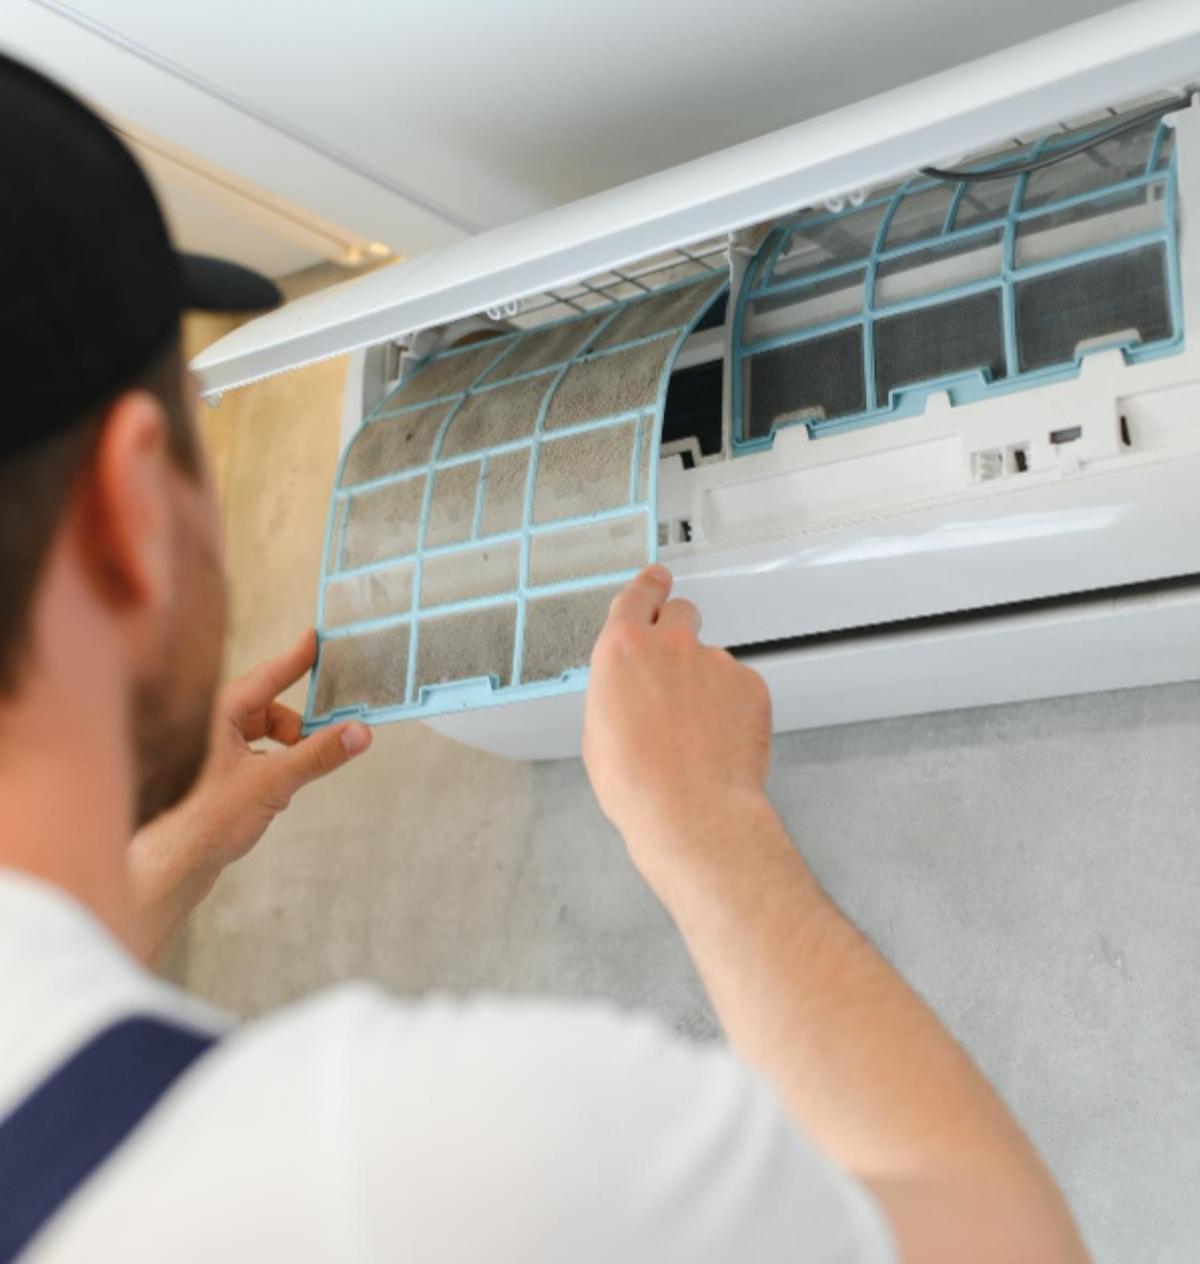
[
  {"x": 169, "y": 874},
  {"x": 856, "y": 1056},
  {"x": 677, "y": 741}
]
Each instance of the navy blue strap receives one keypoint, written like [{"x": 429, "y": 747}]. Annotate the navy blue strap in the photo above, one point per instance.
[{"x": 59, "y": 1135}]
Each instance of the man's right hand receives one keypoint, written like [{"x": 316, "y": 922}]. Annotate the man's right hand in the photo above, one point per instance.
[
  {"x": 677, "y": 734},
  {"x": 676, "y": 741}
]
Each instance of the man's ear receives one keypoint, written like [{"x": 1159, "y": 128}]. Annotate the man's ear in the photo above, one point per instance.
[{"x": 126, "y": 520}]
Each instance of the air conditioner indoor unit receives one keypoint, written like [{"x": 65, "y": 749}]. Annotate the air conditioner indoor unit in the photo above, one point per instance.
[{"x": 907, "y": 396}]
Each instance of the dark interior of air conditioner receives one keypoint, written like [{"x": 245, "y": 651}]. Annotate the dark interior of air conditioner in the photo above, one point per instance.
[{"x": 693, "y": 407}]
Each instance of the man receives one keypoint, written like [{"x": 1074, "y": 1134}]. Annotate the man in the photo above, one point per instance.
[{"x": 137, "y": 1126}]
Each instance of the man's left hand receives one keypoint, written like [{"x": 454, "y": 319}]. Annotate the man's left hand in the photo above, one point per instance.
[{"x": 174, "y": 860}]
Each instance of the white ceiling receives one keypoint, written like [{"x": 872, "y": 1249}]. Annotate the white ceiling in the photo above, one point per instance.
[{"x": 404, "y": 122}]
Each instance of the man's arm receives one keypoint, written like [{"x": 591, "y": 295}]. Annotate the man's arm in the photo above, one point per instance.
[
  {"x": 174, "y": 860},
  {"x": 676, "y": 742}
]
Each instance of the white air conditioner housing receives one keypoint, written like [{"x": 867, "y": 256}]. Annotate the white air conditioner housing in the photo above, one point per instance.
[{"x": 910, "y": 441}]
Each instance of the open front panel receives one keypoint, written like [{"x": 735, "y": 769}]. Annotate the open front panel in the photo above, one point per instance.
[
  {"x": 853, "y": 316},
  {"x": 489, "y": 508}
]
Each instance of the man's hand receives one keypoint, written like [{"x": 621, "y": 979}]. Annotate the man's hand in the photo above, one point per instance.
[
  {"x": 677, "y": 734},
  {"x": 174, "y": 860},
  {"x": 676, "y": 742}
]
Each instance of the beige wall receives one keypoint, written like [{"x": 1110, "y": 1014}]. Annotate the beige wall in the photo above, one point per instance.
[
  {"x": 273, "y": 448},
  {"x": 329, "y": 891}
]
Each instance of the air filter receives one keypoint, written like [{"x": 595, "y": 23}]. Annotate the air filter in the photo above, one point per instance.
[
  {"x": 972, "y": 286},
  {"x": 489, "y": 508}
]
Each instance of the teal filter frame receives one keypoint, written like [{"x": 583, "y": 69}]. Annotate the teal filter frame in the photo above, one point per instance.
[
  {"x": 489, "y": 507},
  {"x": 859, "y": 259}
]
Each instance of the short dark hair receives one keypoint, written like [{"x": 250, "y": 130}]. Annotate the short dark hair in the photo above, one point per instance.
[{"x": 35, "y": 486}]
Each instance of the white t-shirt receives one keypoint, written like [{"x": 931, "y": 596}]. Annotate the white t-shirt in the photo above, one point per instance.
[{"x": 351, "y": 1127}]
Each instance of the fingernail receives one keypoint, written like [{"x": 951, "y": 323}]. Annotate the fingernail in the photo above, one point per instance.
[
  {"x": 659, "y": 573},
  {"x": 355, "y": 738}
]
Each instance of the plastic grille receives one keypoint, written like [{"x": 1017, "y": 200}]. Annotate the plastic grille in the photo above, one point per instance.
[
  {"x": 488, "y": 509},
  {"x": 853, "y": 317}
]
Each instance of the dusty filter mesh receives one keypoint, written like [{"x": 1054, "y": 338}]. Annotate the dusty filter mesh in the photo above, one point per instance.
[
  {"x": 489, "y": 508},
  {"x": 852, "y": 317}
]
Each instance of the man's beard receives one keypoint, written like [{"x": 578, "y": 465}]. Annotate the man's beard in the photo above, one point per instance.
[{"x": 173, "y": 698}]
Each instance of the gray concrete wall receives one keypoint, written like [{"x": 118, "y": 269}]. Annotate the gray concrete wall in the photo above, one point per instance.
[{"x": 1033, "y": 870}]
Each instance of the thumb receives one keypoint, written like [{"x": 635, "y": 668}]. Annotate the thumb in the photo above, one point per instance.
[{"x": 322, "y": 752}]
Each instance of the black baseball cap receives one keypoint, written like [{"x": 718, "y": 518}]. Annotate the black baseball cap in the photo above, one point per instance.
[{"x": 91, "y": 289}]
